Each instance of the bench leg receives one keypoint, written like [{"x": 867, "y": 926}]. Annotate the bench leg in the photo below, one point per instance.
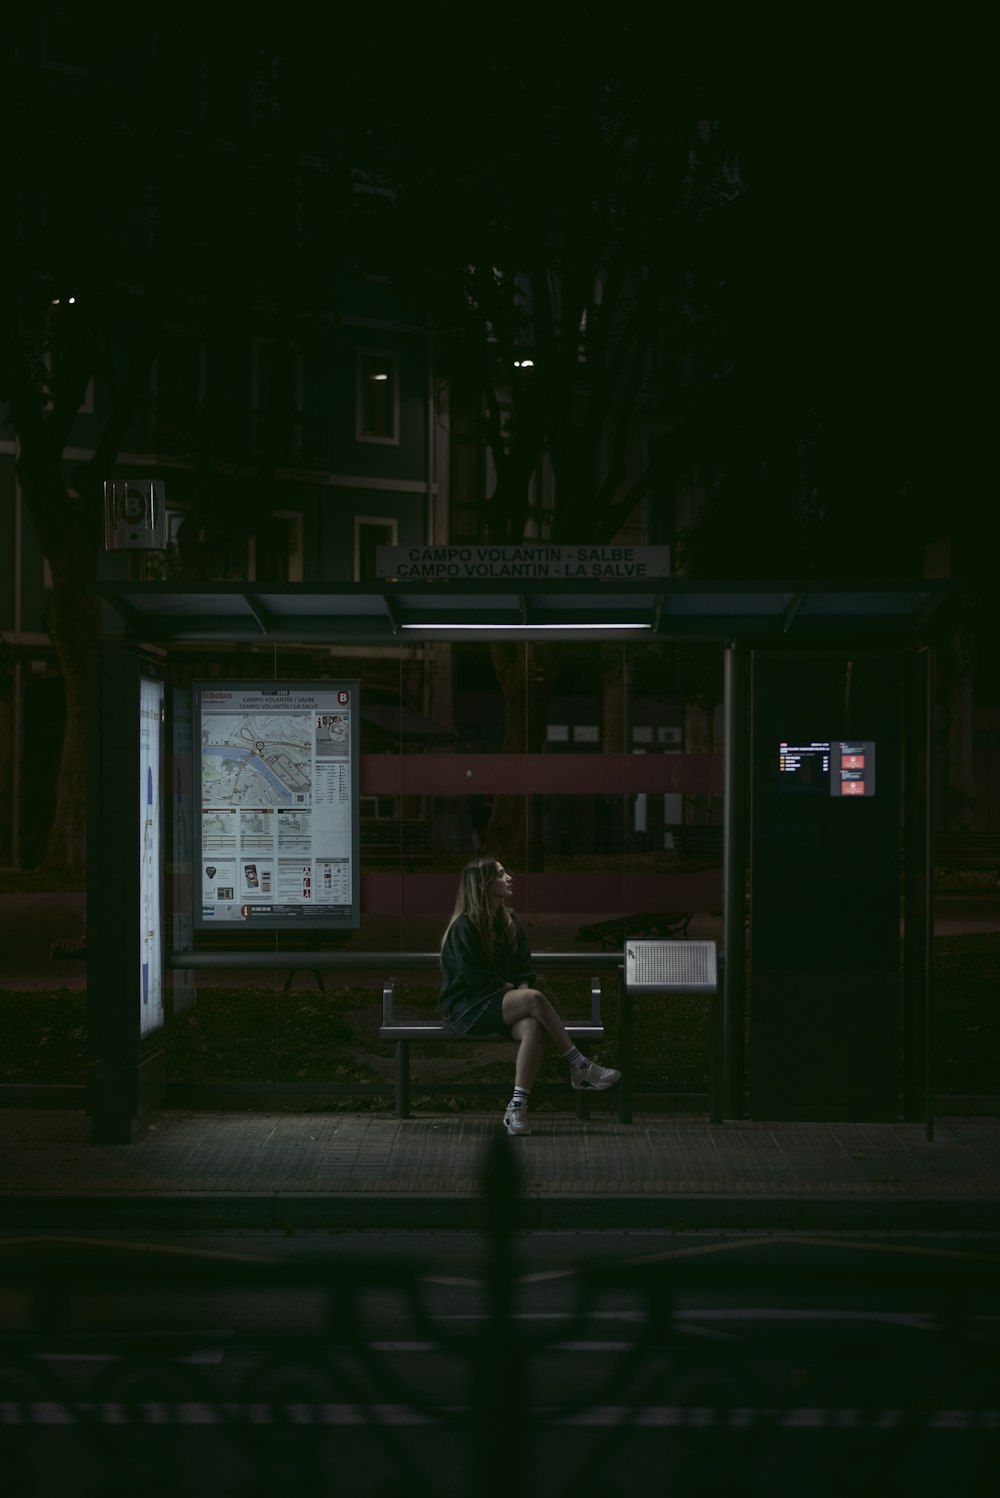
[
  {"x": 582, "y": 1105},
  {"x": 402, "y": 1092}
]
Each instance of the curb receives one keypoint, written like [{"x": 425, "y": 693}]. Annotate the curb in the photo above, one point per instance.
[{"x": 350, "y": 1211}]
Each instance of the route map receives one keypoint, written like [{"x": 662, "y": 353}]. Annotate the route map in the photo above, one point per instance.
[
  {"x": 256, "y": 759},
  {"x": 279, "y": 788}
]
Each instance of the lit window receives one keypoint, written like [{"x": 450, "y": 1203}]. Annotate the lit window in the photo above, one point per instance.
[{"x": 378, "y": 397}]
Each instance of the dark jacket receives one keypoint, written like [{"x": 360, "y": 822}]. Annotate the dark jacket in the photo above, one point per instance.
[{"x": 470, "y": 976}]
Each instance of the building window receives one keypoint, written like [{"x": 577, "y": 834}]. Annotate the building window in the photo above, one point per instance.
[
  {"x": 65, "y": 39},
  {"x": 377, "y": 415},
  {"x": 274, "y": 552},
  {"x": 378, "y": 808},
  {"x": 369, "y": 534},
  {"x": 277, "y": 398},
  {"x": 178, "y": 380}
]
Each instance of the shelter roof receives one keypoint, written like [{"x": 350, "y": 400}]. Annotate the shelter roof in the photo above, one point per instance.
[{"x": 398, "y": 613}]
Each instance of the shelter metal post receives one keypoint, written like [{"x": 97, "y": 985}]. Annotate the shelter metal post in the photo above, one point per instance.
[
  {"x": 928, "y": 931},
  {"x": 917, "y": 893},
  {"x": 734, "y": 862}
]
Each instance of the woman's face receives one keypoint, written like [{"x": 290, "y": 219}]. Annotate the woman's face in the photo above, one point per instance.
[{"x": 501, "y": 886}]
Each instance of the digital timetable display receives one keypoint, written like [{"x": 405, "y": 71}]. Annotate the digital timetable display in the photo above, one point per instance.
[
  {"x": 828, "y": 767},
  {"x": 278, "y": 818}
]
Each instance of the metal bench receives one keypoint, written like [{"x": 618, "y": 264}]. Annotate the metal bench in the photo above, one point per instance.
[{"x": 402, "y": 1032}]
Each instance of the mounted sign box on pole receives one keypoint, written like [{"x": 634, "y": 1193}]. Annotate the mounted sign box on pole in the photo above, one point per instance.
[{"x": 135, "y": 515}]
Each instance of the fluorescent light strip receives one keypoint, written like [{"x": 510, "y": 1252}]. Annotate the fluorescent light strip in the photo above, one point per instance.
[{"x": 594, "y": 624}]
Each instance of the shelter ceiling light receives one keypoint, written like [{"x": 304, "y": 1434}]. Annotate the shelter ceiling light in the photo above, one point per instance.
[{"x": 589, "y": 624}]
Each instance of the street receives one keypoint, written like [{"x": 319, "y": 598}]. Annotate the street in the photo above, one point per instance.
[{"x": 245, "y": 1363}]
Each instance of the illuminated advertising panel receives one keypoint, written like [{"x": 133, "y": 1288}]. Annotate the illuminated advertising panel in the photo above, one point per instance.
[
  {"x": 828, "y": 767},
  {"x": 150, "y": 906},
  {"x": 278, "y": 816}
]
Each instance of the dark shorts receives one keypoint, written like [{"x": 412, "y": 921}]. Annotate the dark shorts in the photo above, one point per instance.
[{"x": 490, "y": 1020}]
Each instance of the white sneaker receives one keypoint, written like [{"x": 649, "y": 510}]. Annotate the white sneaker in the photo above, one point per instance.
[
  {"x": 515, "y": 1120},
  {"x": 594, "y": 1078}
]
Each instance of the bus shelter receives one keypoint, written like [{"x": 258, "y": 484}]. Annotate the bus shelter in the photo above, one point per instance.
[{"x": 825, "y": 825}]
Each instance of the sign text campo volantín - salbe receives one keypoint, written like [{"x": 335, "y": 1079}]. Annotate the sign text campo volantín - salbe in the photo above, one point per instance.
[{"x": 521, "y": 563}]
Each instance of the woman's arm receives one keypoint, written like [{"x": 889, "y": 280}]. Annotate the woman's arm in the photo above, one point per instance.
[
  {"x": 464, "y": 960},
  {"x": 522, "y": 956}
]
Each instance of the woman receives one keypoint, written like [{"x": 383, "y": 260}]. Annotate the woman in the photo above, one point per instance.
[{"x": 487, "y": 988}]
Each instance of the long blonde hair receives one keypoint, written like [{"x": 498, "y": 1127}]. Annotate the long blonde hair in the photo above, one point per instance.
[{"x": 473, "y": 900}]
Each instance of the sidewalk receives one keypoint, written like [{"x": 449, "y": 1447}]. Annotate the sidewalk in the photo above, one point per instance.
[{"x": 208, "y": 1170}]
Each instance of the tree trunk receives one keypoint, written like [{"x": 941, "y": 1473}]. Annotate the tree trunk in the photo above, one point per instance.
[{"x": 68, "y": 525}]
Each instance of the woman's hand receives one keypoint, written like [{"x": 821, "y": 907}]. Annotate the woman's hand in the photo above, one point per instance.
[{"x": 508, "y": 987}]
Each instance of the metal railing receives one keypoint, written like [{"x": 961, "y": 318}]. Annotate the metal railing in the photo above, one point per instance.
[{"x": 311, "y": 1395}]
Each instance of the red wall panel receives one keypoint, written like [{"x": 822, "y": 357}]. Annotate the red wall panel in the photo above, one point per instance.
[{"x": 539, "y": 774}]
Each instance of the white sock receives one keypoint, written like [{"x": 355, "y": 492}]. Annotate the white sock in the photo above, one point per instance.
[
  {"x": 520, "y": 1098},
  {"x": 576, "y": 1058}
]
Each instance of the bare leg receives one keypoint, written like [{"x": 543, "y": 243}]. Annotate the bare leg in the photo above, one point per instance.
[
  {"x": 529, "y": 1052},
  {"x": 528, "y": 1003}
]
